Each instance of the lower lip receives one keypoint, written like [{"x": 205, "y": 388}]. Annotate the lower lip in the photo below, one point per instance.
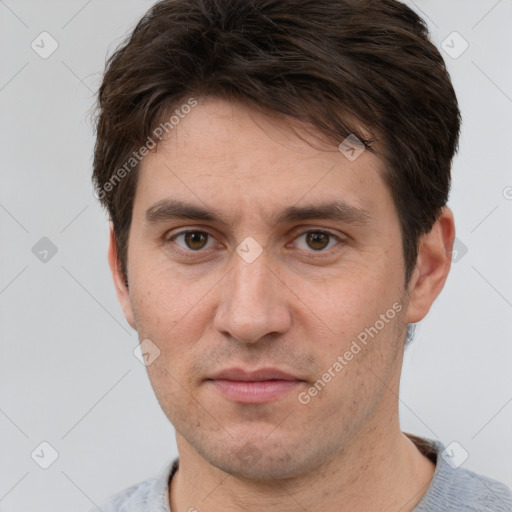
[{"x": 254, "y": 392}]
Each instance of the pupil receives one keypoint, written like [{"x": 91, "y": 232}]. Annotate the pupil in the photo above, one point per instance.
[
  {"x": 194, "y": 238},
  {"x": 317, "y": 238}
]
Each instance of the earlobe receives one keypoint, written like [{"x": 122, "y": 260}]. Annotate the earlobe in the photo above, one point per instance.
[
  {"x": 432, "y": 266},
  {"x": 122, "y": 291}
]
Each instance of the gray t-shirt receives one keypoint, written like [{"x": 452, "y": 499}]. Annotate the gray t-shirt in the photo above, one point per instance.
[{"x": 451, "y": 489}]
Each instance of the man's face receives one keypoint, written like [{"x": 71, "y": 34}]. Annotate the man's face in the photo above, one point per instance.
[{"x": 295, "y": 296}]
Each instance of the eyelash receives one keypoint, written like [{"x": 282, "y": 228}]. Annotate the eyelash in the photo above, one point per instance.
[{"x": 311, "y": 253}]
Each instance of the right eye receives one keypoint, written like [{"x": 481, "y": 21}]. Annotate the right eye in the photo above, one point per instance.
[{"x": 192, "y": 240}]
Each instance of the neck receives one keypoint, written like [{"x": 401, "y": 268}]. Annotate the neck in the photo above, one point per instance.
[{"x": 381, "y": 470}]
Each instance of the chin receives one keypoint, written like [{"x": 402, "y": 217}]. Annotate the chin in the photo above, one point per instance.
[{"x": 261, "y": 459}]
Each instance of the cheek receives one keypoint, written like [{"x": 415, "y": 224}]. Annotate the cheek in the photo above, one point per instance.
[
  {"x": 173, "y": 324},
  {"x": 163, "y": 298},
  {"x": 356, "y": 377},
  {"x": 174, "y": 392},
  {"x": 359, "y": 321},
  {"x": 346, "y": 302}
]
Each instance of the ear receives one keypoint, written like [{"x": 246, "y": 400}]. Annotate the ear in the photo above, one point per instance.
[
  {"x": 122, "y": 292},
  {"x": 432, "y": 266}
]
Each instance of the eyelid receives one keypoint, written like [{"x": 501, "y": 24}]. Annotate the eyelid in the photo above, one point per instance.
[{"x": 302, "y": 230}]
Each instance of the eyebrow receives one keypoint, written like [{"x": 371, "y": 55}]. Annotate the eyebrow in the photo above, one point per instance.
[{"x": 339, "y": 211}]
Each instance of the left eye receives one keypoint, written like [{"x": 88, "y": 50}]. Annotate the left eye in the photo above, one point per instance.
[{"x": 318, "y": 240}]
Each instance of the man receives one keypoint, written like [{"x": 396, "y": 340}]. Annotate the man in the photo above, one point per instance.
[{"x": 277, "y": 173}]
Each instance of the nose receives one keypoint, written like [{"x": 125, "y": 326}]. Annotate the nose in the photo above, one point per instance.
[{"x": 253, "y": 301}]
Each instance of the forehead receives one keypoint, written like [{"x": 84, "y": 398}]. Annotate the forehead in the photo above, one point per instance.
[{"x": 228, "y": 155}]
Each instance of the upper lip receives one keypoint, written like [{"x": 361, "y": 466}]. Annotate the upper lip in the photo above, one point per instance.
[{"x": 253, "y": 376}]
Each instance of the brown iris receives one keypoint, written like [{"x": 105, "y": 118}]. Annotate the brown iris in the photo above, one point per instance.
[
  {"x": 196, "y": 239},
  {"x": 317, "y": 241}
]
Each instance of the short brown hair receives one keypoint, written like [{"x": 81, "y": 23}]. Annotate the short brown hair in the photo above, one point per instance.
[{"x": 323, "y": 62}]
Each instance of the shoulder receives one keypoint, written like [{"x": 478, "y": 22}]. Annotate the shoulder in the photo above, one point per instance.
[
  {"x": 150, "y": 495},
  {"x": 454, "y": 489},
  {"x": 129, "y": 499},
  {"x": 477, "y": 493}
]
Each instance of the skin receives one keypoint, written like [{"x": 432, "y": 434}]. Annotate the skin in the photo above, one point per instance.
[{"x": 294, "y": 307}]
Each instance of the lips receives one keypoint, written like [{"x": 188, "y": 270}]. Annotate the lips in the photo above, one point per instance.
[
  {"x": 262, "y": 374},
  {"x": 254, "y": 387}
]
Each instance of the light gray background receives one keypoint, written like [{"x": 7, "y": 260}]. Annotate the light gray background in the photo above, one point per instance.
[{"x": 68, "y": 374}]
